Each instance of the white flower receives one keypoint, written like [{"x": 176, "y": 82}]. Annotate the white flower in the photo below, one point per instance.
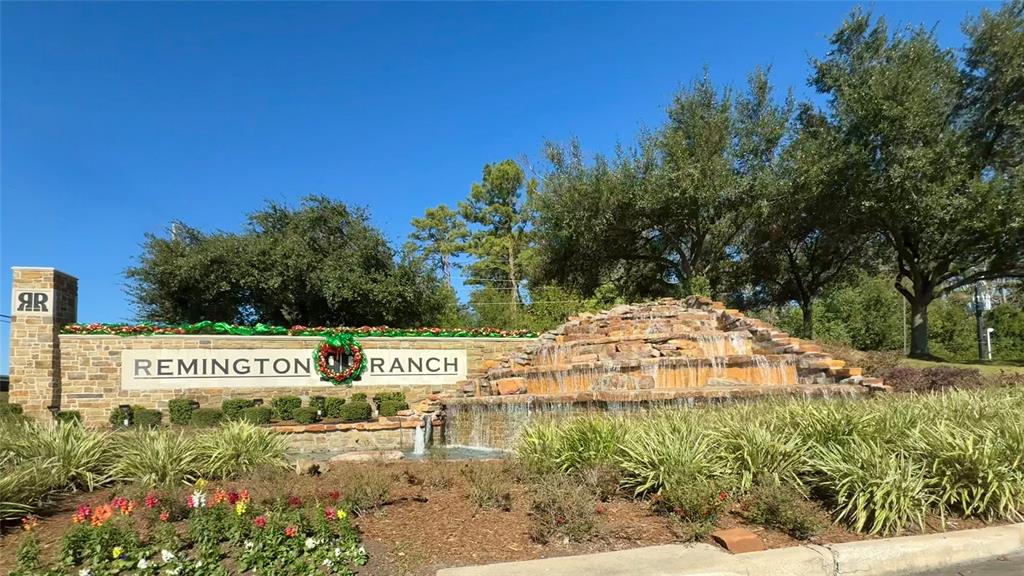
[
  {"x": 328, "y": 562},
  {"x": 85, "y": 572},
  {"x": 310, "y": 543},
  {"x": 337, "y": 552},
  {"x": 167, "y": 556},
  {"x": 361, "y": 549},
  {"x": 143, "y": 564},
  {"x": 175, "y": 571},
  {"x": 248, "y": 544},
  {"x": 198, "y": 499}
]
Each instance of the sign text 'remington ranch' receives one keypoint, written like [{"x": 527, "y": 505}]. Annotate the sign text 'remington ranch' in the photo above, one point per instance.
[{"x": 247, "y": 368}]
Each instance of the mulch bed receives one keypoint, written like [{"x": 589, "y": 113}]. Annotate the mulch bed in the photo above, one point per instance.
[{"x": 423, "y": 528}]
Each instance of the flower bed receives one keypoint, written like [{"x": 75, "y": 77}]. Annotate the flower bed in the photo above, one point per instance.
[
  {"x": 223, "y": 328},
  {"x": 206, "y": 532}
]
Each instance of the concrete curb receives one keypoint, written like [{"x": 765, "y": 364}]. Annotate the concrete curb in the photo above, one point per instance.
[{"x": 888, "y": 557}]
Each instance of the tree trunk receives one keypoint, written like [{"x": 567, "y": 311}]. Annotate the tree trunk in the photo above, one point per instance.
[
  {"x": 807, "y": 307},
  {"x": 919, "y": 325}
]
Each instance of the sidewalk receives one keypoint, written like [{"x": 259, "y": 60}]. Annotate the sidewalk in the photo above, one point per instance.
[{"x": 889, "y": 557}]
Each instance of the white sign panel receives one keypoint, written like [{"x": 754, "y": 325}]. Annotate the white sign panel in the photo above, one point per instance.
[
  {"x": 32, "y": 302},
  {"x": 270, "y": 368}
]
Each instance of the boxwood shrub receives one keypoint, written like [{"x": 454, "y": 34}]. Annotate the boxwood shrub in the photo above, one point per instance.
[
  {"x": 233, "y": 407},
  {"x": 390, "y": 407},
  {"x": 358, "y": 397},
  {"x": 306, "y": 415},
  {"x": 117, "y": 418},
  {"x": 256, "y": 415},
  {"x": 145, "y": 418},
  {"x": 284, "y": 406},
  {"x": 332, "y": 407},
  {"x": 205, "y": 417},
  {"x": 180, "y": 410},
  {"x": 356, "y": 411},
  {"x": 319, "y": 403},
  {"x": 69, "y": 417}
]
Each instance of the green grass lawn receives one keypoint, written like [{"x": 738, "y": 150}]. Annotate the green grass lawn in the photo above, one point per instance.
[{"x": 987, "y": 368}]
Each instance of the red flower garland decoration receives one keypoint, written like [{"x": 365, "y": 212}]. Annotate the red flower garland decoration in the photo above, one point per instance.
[{"x": 337, "y": 346}]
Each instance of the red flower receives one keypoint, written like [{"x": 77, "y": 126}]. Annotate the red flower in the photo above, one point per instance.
[
  {"x": 295, "y": 502},
  {"x": 83, "y": 514},
  {"x": 291, "y": 531},
  {"x": 165, "y": 516},
  {"x": 152, "y": 501},
  {"x": 232, "y": 497},
  {"x": 334, "y": 495},
  {"x": 330, "y": 513},
  {"x": 723, "y": 496},
  {"x": 260, "y": 521},
  {"x": 244, "y": 495}
]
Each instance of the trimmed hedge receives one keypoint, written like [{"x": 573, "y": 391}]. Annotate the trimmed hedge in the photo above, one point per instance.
[
  {"x": 180, "y": 410},
  {"x": 233, "y": 407},
  {"x": 117, "y": 418},
  {"x": 332, "y": 407},
  {"x": 69, "y": 417},
  {"x": 306, "y": 415},
  {"x": 256, "y": 415},
  {"x": 284, "y": 406},
  {"x": 355, "y": 411},
  {"x": 358, "y": 397},
  {"x": 206, "y": 417},
  {"x": 145, "y": 418},
  {"x": 392, "y": 407}
]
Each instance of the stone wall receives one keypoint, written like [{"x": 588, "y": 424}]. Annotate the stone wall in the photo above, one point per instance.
[{"x": 90, "y": 368}]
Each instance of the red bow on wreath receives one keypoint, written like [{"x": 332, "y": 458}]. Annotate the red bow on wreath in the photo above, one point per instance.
[{"x": 338, "y": 346}]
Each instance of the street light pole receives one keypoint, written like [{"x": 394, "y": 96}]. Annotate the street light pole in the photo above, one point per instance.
[{"x": 980, "y": 321}]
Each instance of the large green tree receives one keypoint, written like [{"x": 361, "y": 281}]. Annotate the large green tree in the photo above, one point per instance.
[
  {"x": 498, "y": 211},
  {"x": 663, "y": 216},
  {"x": 321, "y": 263},
  {"x": 931, "y": 150},
  {"x": 439, "y": 237}
]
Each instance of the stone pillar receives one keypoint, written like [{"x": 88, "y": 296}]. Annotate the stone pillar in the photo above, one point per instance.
[{"x": 42, "y": 300}]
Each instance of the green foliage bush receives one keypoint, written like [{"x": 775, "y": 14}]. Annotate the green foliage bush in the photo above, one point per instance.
[
  {"x": 355, "y": 411},
  {"x": 332, "y": 407},
  {"x": 238, "y": 448},
  {"x": 366, "y": 489},
  {"x": 284, "y": 406},
  {"x": 561, "y": 509},
  {"x": 69, "y": 417},
  {"x": 358, "y": 397},
  {"x": 180, "y": 410},
  {"x": 256, "y": 415},
  {"x": 305, "y": 415},
  {"x": 145, "y": 418},
  {"x": 392, "y": 407},
  {"x": 206, "y": 417},
  {"x": 784, "y": 508},
  {"x": 319, "y": 403},
  {"x": 118, "y": 417},
  {"x": 8, "y": 410},
  {"x": 233, "y": 407}
]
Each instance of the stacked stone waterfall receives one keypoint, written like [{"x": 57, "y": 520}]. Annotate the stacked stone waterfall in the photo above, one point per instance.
[{"x": 642, "y": 351}]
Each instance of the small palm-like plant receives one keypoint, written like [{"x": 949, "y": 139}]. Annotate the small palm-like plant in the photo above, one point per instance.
[
  {"x": 156, "y": 457},
  {"x": 239, "y": 447},
  {"x": 79, "y": 457}
]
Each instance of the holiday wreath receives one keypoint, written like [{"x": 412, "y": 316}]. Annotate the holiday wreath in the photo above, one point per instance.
[{"x": 337, "y": 347}]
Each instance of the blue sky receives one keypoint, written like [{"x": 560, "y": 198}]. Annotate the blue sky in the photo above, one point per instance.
[{"x": 117, "y": 118}]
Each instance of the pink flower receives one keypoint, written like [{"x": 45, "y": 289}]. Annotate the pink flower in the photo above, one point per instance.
[
  {"x": 291, "y": 531},
  {"x": 260, "y": 521},
  {"x": 152, "y": 501},
  {"x": 330, "y": 513}
]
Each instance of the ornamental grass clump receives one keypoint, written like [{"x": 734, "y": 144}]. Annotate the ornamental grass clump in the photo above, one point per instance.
[
  {"x": 156, "y": 458},
  {"x": 76, "y": 457},
  {"x": 879, "y": 465},
  {"x": 237, "y": 448}
]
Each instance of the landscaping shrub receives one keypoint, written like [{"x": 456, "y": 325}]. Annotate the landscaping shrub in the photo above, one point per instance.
[
  {"x": 358, "y": 397},
  {"x": 392, "y": 407},
  {"x": 305, "y": 415},
  {"x": 284, "y": 406},
  {"x": 488, "y": 487},
  {"x": 256, "y": 415},
  {"x": 118, "y": 418},
  {"x": 366, "y": 489},
  {"x": 355, "y": 411},
  {"x": 561, "y": 508},
  {"x": 69, "y": 417},
  {"x": 206, "y": 417},
  {"x": 784, "y": 508},
  {"x": 157, "y": 457},
  {"x": 180, "y": 410},
  {"x": 319, "y": 403},
  {"x": 145, "y": 418},
  {"x": 8, "y": 410},
  {"x": 332, "y": 407},
  {"x": 602, "y": 479},
  {"x": 233, "y": 407},
  {"x": 237, "y": 448}
]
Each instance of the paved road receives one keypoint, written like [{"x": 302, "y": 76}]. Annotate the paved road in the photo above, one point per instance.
[{"x": 1004, "y": 566}]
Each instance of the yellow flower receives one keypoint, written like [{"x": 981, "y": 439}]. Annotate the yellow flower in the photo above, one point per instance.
[
  {"x": 200, "y": 484},
  {"x": 117, "y": 552},
  {"x": 240, "y": 508},
  {"x": 341, "y": 514}
]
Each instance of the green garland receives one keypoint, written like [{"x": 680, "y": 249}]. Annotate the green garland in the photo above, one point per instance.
[
  {"x": 224, "y": 328},
  {"x": 335, "y": 345}
]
